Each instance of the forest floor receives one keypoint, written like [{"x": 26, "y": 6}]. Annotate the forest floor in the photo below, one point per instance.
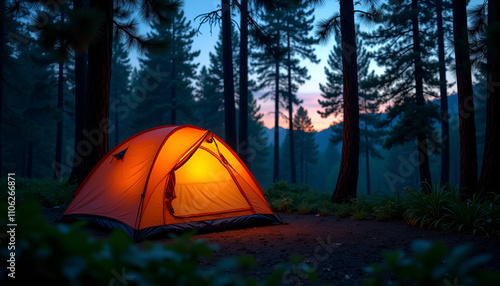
[{"x": 338, "y": 249}]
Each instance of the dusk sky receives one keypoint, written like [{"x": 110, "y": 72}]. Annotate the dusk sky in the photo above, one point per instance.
[{"x": 309, "y": 92}]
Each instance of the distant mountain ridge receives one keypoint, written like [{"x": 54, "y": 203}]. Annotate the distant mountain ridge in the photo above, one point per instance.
[{"x": 322, "y": 137}]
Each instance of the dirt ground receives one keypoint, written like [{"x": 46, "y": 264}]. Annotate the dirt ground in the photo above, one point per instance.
[{"x": 338, "y": 249}]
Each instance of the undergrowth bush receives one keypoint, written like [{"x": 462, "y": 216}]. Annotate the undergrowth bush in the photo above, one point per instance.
[
  {"x": 379, "y": 206},
  {"x": 432, "y": 264},
  {"x": 48, "y": 192},
  {"x": 292, "y": 198},
  {"x": 68, "y": 255},
  {"x": 442, "y": 208}
]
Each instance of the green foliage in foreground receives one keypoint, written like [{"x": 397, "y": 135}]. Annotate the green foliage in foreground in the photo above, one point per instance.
[
  {"x": 48, "y": 192},
  {"x": 67, "y": 255},
  {"x": 432, "y": 264}
]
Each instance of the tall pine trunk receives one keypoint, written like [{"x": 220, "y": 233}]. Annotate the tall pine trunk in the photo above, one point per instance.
[
  {"x": 445, "y": 127},
  {"x": 243, "y": 128},
  {"x": 173, "y": 84},
  {"x": 467, "y": 127},
  {"x": 117, "y": 121},
  {"x": 96, "y": 113},
  {"x": 229, "y": 109},
  {"x": 60, "y": 107},
  {"x": 276, "y": 173},
  {"x": 491, "y": 160},
  {"x": 302, "y": 140},
  {"x": 423, "y": 155},
  {"x": 347, "y": 181},
  {"x": 367, "y": 155},
  {"x": 77, "y": 172},
  {"x": 290, "y": 108},
  {"x": 29, "y": 165}
]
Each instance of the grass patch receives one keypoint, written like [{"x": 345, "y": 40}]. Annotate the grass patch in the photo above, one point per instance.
[
  {"x": 48, "y": 192},
  {"x": 292, "y": 198}
]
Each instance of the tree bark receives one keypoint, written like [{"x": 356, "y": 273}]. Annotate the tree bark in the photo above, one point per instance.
[
  {"x": 367, "y": 155},
  {"x": 77, "y": 171},
  {"x": 243, "y": 128},
  {"x": 60, "y": 107},
  {"x": 173, "y": 84},
  {"x": 491, "y": 160},
  {"x": 423, "y": 156},
  {"x": 347, "y": 181},
  {"x": 229, "y": 109},
  {"x": 96, "y": 113},
  {"x": 276, "y": 175},
  {"x": 445, "y": 127},
  {"x": 29, "y": 165},
  {"x": 467, "y": 127},
  {"x": 117, "y": 121},
  {"x": 302, "y": 157},
  {"x": 290, "y": 110}
]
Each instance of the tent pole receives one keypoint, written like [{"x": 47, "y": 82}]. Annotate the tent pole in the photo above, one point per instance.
[
  {"x": 273, "y": 209},
  {"x": 64, "y": 208}
]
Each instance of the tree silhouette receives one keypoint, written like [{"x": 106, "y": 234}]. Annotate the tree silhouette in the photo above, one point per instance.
[
  {"x": 407, "y": 54},
  {"x": 298, "y": 22},
  {"x": 332, "y": 104},
  {"x": 229, "y": 108},
  {"x": 491, "y": 158},
  {"x": 120, "y": 88},
  {"x": 93, "y": 29},
  {"x": 468, "y": 153}
]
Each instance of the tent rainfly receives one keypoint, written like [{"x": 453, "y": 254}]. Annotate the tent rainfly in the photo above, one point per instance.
[{"x": 170, "y": 178}]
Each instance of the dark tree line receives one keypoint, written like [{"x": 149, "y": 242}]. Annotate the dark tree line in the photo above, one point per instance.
[{"x": 81, "y": 81}]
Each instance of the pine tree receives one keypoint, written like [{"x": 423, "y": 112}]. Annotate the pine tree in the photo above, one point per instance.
[
  {"x": 258, "y": 150},
  {"x": 175, "y": 70},
  {"x": 227, "y": 67},
  {"x": 468, "y": 152},
  {"x": 209, "y": 99},
  {"x": 92, "y": 29},
  {"x": 307, "y": 149},
  {"x": 268, "y": 65},
  {"x": 31, "y": 115},
  {"x": 298, "y": 22},
  {"x": 409, "y": 76},
  {"x": 243, "y": 84},
  {"x": 120, "y": 87},
  {"x": 491, "y": 158},
  {"x": 210, "y": 90},
  {"x": 332, "y": 92},
  {"x": 442, "y": 10},
  {"x": 60, "y": 107}
]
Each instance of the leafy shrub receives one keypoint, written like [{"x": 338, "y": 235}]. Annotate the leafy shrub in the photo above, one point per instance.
[
  {"x": 474, "y": 215},
  {"x": 442, "y": 208},
  {"x": 379, "y": 206},
  {"x": 344, "y": 210},
  {"x": 307, "y": 208},
  {"x": 293, "y": 198},
  {"x": 285, "y": 205},
  {"x": 67, "y": 255},
  {"x": 425, "y": 209},
  {"x": 432, "y": 264},
  {"x": 48, "y": 192}
]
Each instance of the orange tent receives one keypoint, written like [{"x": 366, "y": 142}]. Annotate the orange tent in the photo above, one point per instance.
[{"x": 170, "y": 178}]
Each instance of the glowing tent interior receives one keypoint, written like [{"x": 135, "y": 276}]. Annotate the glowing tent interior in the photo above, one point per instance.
[{"x": 170, "y": 178}]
